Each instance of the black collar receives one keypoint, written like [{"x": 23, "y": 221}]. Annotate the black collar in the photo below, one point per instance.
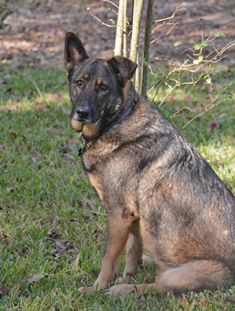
[{"x": 83, "y": 145}]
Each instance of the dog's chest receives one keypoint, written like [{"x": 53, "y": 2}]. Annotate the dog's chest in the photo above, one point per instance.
[
  {"x": 91, "y": 166},
  {"x": 109, "y": 174},
  {"x": 97, "y": 183}
]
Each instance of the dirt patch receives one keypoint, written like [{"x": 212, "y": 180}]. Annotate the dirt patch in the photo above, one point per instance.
[{"x": 35, "y": 31}]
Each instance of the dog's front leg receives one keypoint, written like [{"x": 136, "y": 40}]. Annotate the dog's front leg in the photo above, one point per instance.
[
  {"x": 134, "y": 251},
  {"x": 118, "y": 232}
]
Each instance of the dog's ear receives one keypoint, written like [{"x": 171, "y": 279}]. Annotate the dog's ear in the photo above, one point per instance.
[
  {"x": 74, "y": 51},
  {"x": 124, "y": 66}
]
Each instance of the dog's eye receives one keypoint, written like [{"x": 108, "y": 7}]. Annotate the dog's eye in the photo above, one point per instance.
[
  {"x": 79, "y": 83},
  {"x": 103, "y": 86}
]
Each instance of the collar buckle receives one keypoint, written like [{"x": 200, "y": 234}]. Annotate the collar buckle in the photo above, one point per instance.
[{"x": 83, "y": 145}]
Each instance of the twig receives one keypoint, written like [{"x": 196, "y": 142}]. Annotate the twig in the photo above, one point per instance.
[
  {"x": 165, "y": 34},
  {"x": 178, "y": 7},
  {"x": 99, "y": 20},
  {"x": 228, "y": 46},
  {"x": 186, "y": 108},
  {"x": 209, "y": 107},
  {"x": 111, "y": 2},
  {"x": 164, "y": 99},
  {"x": 166, "y": 19}
]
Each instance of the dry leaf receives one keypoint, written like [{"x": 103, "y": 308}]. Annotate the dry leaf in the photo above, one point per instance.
[
  {"x": 36, "y": 277},
  {"x": 3, "y": 291}
]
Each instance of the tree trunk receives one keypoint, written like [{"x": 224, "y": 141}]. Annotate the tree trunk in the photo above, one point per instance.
[
  {"x": 125, "y": 29},
  {"x": 148, "y": 29},
  {"x": 4, "y": 12},
  {"x": 119, "y": 29},
  {"x": 138, "y": 5}
]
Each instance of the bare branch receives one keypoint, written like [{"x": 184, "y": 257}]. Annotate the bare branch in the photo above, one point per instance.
[
  {"x": 167, "y": 19},
  {"x": 165, "y": 34},
  {"x": 99, "y": 20},
  {"x": 227, "y": 46},
  {"x": 185, "y": 108},
  {"x": 209, "y": 107},
  {"x": 111, "y": 2}
]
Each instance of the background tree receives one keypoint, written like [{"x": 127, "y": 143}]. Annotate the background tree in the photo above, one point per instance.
[
  {"x": 4, "y": 12},
  {"x": 135, "y": 53}
]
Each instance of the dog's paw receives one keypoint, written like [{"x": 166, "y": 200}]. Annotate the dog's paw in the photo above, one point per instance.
[
  {"x": 121, "y": 289},
  {"x": 101, "y": 283},
  {"x": 87, "y": 290},
  {"x": 124, "y": 279}
]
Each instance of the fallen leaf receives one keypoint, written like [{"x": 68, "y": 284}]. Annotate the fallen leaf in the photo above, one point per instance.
[
  {"x": 55, "y": 231},
  {"x": 67, "y": 151},
  {"x": 9, "y": 189},
  {"x": 36, "y": 278},
  {"x": 13, "y": 135},
  {"x": 63, "y": 248},
  {"x": 3, "y": 291},
  {"x": 69, "y": 157}
]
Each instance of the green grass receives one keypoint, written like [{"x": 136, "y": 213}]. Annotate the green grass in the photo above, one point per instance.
[{"x": 51, "y": 222}]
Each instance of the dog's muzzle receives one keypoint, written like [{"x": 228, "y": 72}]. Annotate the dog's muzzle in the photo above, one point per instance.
[
  {"x": 76, "y": 124},
  {"x": 83, "y": 114}
]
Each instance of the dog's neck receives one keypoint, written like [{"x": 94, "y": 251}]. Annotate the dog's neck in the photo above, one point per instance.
[{"x": 130, "y": 98}]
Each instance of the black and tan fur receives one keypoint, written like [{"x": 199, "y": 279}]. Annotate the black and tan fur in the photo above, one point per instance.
[{"x": 159, "y": 194}]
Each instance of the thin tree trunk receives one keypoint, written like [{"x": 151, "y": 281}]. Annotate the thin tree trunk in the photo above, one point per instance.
[
  {"x": 148, "y": 29},
  {"x": 138, "y": 5},
  {"x": 119, "y": 29},
  {"x": 4, "y": 12},
  {"x": 138, "y": 72},
  {"x": 125, "y": 29}
]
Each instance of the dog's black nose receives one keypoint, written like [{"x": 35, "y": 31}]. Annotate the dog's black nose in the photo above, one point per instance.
[{"x": 83, "y": 112}]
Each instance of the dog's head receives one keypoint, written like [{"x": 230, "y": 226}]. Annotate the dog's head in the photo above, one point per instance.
[{"x": 96, "y": 86}]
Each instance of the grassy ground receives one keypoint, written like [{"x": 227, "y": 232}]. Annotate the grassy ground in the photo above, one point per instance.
[{"x": 52, "y": 228}]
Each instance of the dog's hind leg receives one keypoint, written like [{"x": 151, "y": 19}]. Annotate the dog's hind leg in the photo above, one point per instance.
[{"x": 193, "y": 276}]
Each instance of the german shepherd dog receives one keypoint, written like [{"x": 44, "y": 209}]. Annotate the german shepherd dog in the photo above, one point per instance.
[{"x": 159, "y": 194}]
